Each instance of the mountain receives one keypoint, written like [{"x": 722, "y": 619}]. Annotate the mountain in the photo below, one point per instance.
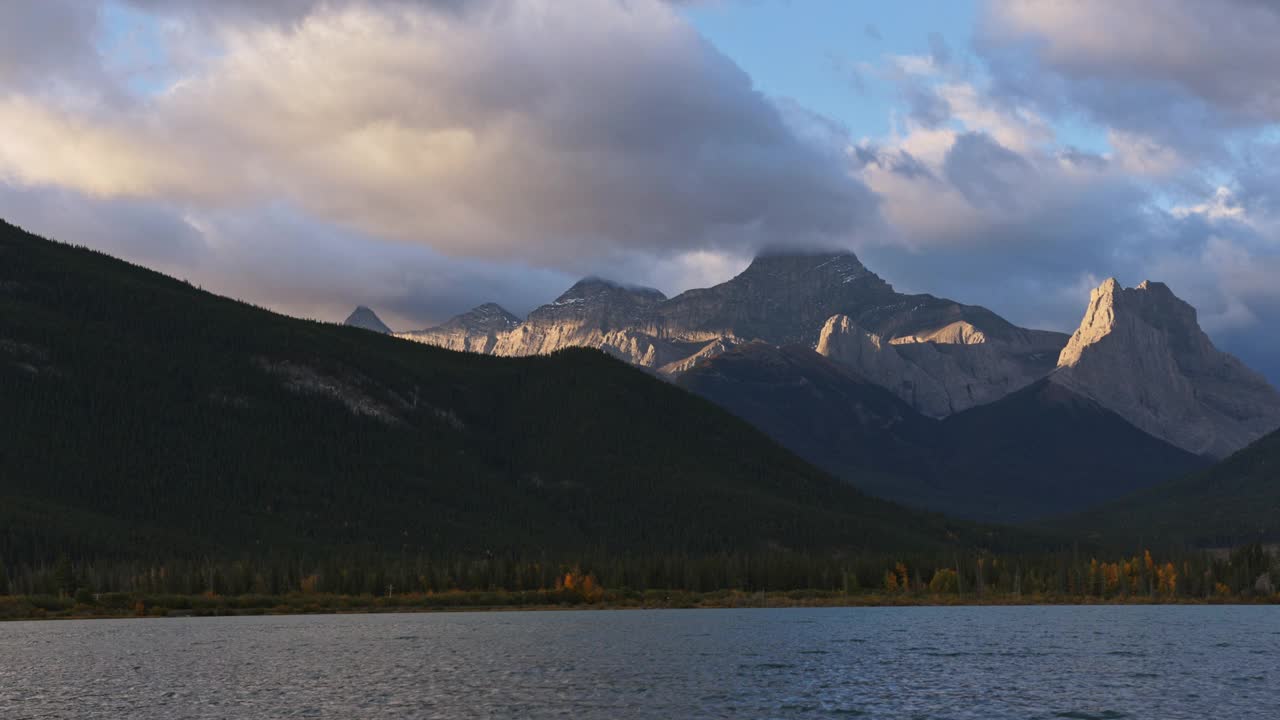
[
  {"x": 1045, "y": 451},
  {"x": 780, "y": 298},
  {"x": 824, "y": 413},
  {"x": 831, "y": 361},
  {"x": 1041, "y": 451},
  {"x": 476, "y": 330},
  {"x": 144, "y": 418},
  {"x": 1141, "y": 353},
  {"x": 363, "y": 317},
  {"x": 594, "y": 313},
  {"x": 1231, "y": 503},
  {"x": 947, "y": 365},
  {"x": 938, "y": 355}
]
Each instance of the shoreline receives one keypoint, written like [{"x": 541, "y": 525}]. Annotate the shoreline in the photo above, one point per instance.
[{"x": 137, "y": 606}]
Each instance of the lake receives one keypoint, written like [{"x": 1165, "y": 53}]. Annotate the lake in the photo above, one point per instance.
[{"x": 968, "y": 662}]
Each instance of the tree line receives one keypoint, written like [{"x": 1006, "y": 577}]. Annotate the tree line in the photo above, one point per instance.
[{"x": 1248, "y": 571}]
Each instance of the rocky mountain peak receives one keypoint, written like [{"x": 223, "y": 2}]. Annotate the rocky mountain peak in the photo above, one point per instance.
[
  {"x": 598, "y": 288},
  {"x": 476, "y": 330},
  {"x": 1127, "y": 311},
  {"x": 598, "y": 302},
  {"x": 363, "y": 317},
  {"x": 489, "y": 317},
  {"x": 840, "y": 265},
  {"x": 1140, "y": 352}
]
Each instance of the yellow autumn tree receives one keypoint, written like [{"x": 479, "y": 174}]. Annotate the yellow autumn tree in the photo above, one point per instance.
[
  {"x": 1131, "y": 575},
  {"x": 1110, "y": 578},
  {"x": 1150, "y": 566},
  {"x": 890, "y": 581},
  {"x": 583, "y": 585},
  {"x": 1167, "y": 580},
  {"x": 309, "y": 584},
  {"x": 591, "y": 590}
]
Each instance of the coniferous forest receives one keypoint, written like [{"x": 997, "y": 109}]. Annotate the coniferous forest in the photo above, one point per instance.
[{"x": 161, "y": 440}]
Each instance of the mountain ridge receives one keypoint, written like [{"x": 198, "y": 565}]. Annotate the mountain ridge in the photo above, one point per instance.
[
  {"x": 1141, "y": 353},
  {"x": 939, "y": 356},
  {"x": 146, "y": 417},
  {"x": 788, "y": 297},
  {"x": 475, "y": 330}
]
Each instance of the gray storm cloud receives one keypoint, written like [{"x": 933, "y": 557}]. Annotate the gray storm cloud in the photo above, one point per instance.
[{"x": 1180, "y": 71}]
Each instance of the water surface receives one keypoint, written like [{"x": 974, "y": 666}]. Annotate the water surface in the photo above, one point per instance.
[{"x": 971, "y": 662}]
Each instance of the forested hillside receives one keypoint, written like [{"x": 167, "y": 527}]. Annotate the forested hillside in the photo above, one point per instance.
[
  {"x": 143, "y": 419},
  {"x": 1234, "y": 502}
]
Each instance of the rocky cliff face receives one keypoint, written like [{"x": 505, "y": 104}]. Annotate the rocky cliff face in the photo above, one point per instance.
[
  {"x": 363, "y": 317},
  {"x": 476, "y": 330},
  {"x": 945, "y": 370},
  {"x": 1141, "y": 353},
  {"x": 937, "y": 354},
  {"x": 594, "y": 313},
  {"x": 780, "y": 299}
]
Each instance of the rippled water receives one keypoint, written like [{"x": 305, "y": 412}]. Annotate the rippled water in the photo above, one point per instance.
[{"x": 1023, "y": 662}]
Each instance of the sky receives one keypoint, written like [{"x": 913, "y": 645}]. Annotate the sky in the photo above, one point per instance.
[{"x": 425, "y": 156}]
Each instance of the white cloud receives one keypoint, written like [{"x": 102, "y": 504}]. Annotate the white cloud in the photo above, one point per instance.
[
  {"x": 1140, "y": 154},
  {"x": 1221, "y": 206},
  {"x": 529, "y": 129}
]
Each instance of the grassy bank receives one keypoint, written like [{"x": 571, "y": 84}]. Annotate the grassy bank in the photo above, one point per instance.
[{"x": 119, "y": 605}]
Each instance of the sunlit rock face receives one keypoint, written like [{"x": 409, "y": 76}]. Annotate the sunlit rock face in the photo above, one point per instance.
[
  {"x": 593, "y": 313},
  {"x": 363, "y": 317},
  {"x": 476, "y": 330},
  {"x": 1140, "y": 352},
  {"x": 938, "y": 355},
  {"x": 945, "y": 370}
]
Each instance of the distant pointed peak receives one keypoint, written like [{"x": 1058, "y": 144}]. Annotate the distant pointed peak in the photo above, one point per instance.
[{"x": 365, "y": 317}]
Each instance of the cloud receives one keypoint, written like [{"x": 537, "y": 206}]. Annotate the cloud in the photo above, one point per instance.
[
  {"x": 279, "y": 258},
  {"x": 1184, "y": 73},
  {"x": 527, "y": 129},
  {"x": 45, "y": 44},
  {"x": 1029, "y": 233},
  {"x": 1222, "y": 53},
  {"x": 423, "y": 156}
]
